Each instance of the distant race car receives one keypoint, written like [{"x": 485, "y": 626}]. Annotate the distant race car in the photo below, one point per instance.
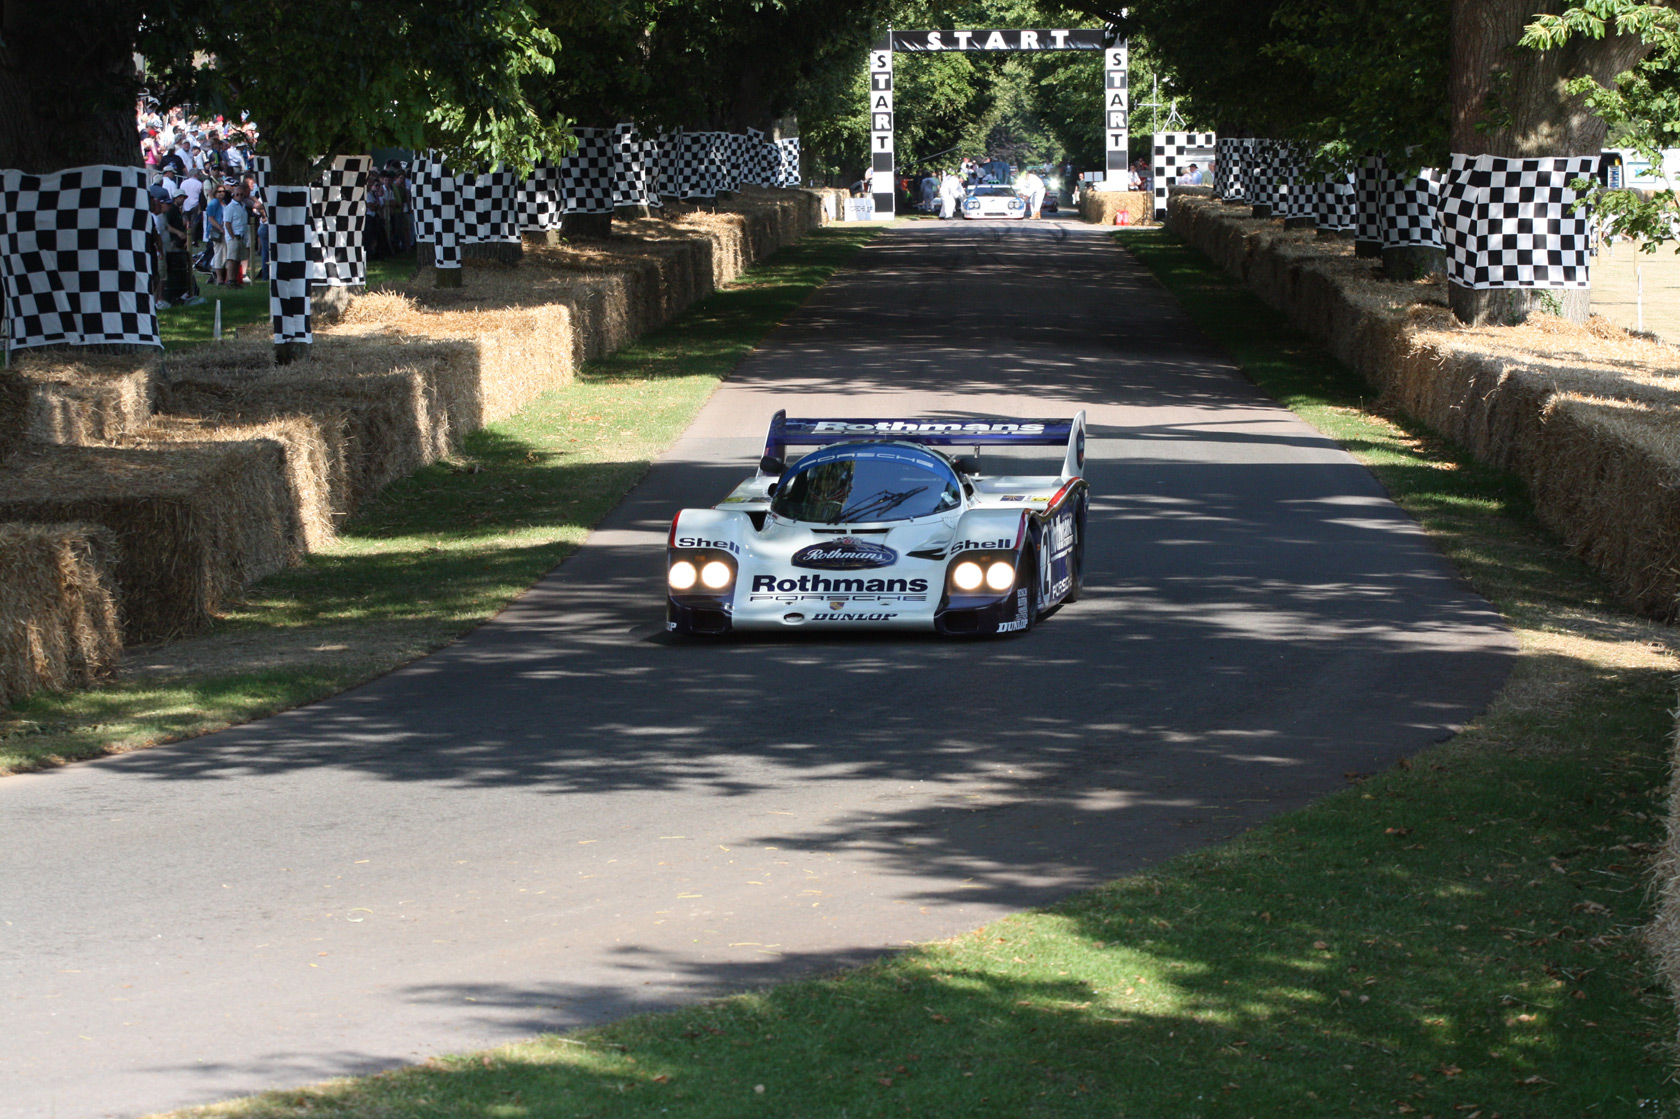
[
  {"x": 993, "y": 202},
  {"x": 880, "y": 527}
]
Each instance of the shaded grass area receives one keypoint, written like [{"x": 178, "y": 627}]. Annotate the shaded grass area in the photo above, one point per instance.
[
  {"x": 1457, "y": 937},
  {"x": 438, "y": 552},
  {"x": 245, "y": 310}
]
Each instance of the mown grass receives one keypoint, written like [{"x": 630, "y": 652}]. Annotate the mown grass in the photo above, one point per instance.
[
  {"x": 1457, "y": 937},
  {"x": 440, "y": 551},
  {"x": 245, "y": 310}
]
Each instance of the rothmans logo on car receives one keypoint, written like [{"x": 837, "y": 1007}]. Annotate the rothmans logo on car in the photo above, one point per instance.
[{"x": 848, "y": 553}]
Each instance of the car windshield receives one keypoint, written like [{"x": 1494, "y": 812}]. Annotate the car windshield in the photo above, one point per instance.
[
  {"x": 992, "y": 192},
  {"x": 853, "y": 485}
]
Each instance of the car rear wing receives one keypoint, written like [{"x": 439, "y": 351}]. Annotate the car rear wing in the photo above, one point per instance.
[{"x": 984, "y": 431}]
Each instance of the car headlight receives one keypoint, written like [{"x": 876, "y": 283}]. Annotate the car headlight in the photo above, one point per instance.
[
  {"x": 715, "y": 575},
  {"x": 967, "y": 576},
  {"x": 1000, "y": 576},
  {"x": 683, "y": 575}
]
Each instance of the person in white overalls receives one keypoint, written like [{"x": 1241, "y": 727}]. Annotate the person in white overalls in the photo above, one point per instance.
[
  {"x": 1033, "y": 187},
  {"x": 951, "y": 195}
]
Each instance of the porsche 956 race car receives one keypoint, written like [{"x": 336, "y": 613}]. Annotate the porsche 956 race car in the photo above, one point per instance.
[{"x": 879, "y": 526}]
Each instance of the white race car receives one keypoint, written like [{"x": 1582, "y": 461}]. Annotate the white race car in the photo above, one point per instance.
[
  {"x": 993, "y": 202},
  {"x": 877, "y": 527}
]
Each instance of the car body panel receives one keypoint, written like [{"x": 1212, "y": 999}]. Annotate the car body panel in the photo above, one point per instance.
[
  {"x": 886, "y": 573},
  {"x": 993, "y": 202}
]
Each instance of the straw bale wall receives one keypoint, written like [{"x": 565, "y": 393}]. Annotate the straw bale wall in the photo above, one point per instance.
[
  {"x": 14, "y": 412},
  {"x": 58, "y": 615},
  {"x": 194, "y": 523},
  {"x": 1100, "y": 206},
  {"x": 384, "y": 407},
  {"x": 1587, "y": 415},
  {"x": 79, "y": 398}
]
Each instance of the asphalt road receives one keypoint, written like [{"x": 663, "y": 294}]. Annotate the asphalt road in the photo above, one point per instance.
[{"x": 568, "y": 817}]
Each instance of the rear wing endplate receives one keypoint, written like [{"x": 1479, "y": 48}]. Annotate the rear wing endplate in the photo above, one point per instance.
[{"x": 984, "y": 431}]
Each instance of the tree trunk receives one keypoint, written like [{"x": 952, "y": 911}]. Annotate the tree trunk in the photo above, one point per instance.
[
  {"x": 598, "y": 226},
  {"x": 1506, "y": 100},
  {"x": 67, "y": 85},
  {"x": 1413, "y": 262}
]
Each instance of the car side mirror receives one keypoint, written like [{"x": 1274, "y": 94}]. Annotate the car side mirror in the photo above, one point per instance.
[
  {"x": 770, "y": 491},
  {"x": 770, "y": 464}
]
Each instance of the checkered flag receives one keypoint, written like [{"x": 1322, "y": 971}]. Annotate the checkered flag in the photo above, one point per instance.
[
  {"x": 686, "y": 174},
  {"x": 1268, "y": 187},
  {"x": 1368, "y": 178},
  {"x": 1174, "y": 151},
  {"x": 338, "y": 212},
  {"x": 1299, "y": 184},
  {"x": 630, "y": 175},
  {"x": 1408, "y": 211},
  {"x": 290, "y": 234},
  {"x": 1513, "y": 223},
  {"x": 1228, "y": 175},
  {"x": 73, "y": 253},
  {"x": 787, "y": 169},
  {"x": 1333, "y": 203},
  {"x": 446, "y": 220},
  {"x": 420, "y": 184},
  {"x": 539, "y": 199},
  {"x": 262, "y": 167},
  {"x": 586, "y": 176},
  {"x": 489, "y": 207}
]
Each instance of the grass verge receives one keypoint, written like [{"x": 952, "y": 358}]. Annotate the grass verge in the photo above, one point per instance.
[
  {"x": 473, "y": 531},
  {"x": 1455, "y": 938},
  {"x": 246, "y": 308}
]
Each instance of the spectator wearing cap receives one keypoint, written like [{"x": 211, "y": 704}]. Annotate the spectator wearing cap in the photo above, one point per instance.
[{"x": 1192, "y": 176}]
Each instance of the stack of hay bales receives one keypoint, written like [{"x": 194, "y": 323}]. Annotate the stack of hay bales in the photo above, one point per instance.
[
  {"x": 76, "y": 398},
  {"x": 384, "y": 406},
  {"x": 196, "y": 512},
  {"x": 1587, "y": 415},
  {"x": 58, "y": 620}
]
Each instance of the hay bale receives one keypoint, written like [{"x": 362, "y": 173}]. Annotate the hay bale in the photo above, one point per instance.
[
  {"x": 79, "y": 398},
  {"x": 520, "y": 328},
  {"x": 1587, "y": 415},
  {"x": 14, "y": 412},
  {"x": 58, "y": 616},
  {"x": 194, "y": 523},
  {"x": 386, "y": 406},
  {"x": 1101, "y": 206}
]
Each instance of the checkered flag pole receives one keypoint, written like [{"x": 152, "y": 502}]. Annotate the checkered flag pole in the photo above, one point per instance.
[
  {"x": 262, "y": 167},
  {"x": 489, "y": 206},
  {"x": 539, "y": 199},
  {"x": 446, "y": 219},
  {"x": 630, "y": 176},
  {"x": 338, "y": 207},
  {"x": 1512, "y": 222},
  {"x": 1269, "y": 185},
  {"x": 787, "y": 172},
  {"x": 1173, "y": 152},
  {"x": 1333, "y": 207},
  {"x": 1299, "y": 188},
  {"x": 290, "y": 231},
  {"x": 1408, "y": 210},
  {"x": 74, "y": 258},
  {"x": 1368, "y": 179},
  {"x": 1228, "y": 184},
  {"x": 586, "y": 176}
]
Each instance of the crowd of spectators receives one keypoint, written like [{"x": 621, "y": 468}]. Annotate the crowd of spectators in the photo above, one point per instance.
[{"x": 209, "y": 216}]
